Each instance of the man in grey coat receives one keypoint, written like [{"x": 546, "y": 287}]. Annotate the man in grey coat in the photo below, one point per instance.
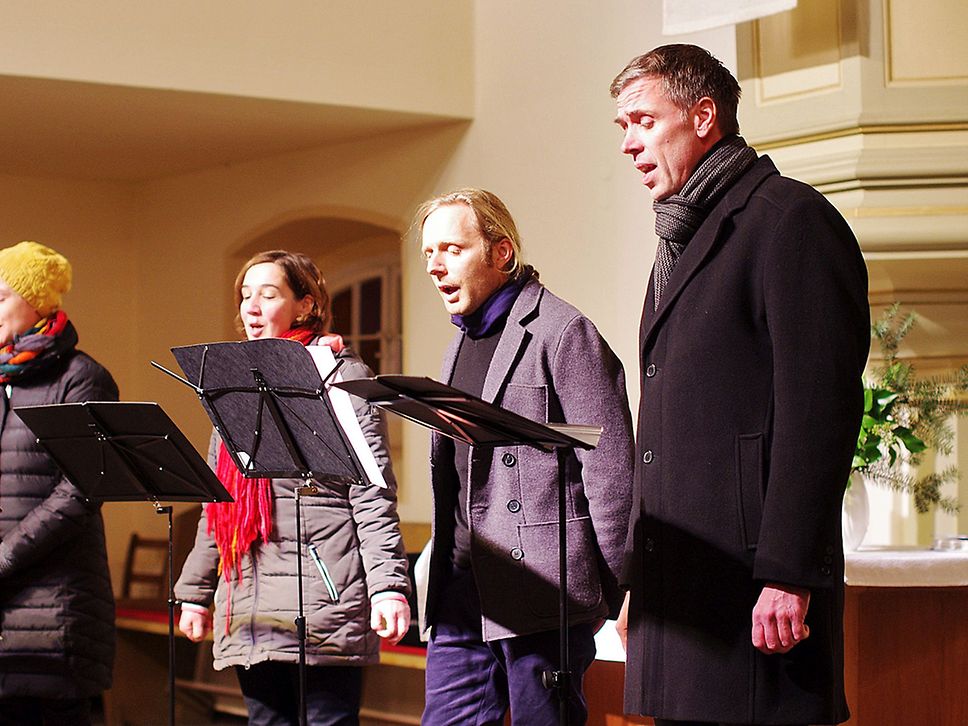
[
  {"x": 493, "y": 595},
  {"x": 753, "y": 341}
]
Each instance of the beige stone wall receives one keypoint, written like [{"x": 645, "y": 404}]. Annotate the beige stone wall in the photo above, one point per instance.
[
  {"x": 868, "y": 101},
  {"x": 299, "y": 50},
  {"x": 93, "y": 225}
]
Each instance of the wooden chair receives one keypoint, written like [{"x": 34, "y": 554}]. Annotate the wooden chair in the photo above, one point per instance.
[
  {"x": 145, "y": 578},
  {"x": 145, "y": 570}
]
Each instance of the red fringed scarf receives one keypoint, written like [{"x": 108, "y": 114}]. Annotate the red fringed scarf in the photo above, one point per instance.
[{"x": 238, "y": 526}]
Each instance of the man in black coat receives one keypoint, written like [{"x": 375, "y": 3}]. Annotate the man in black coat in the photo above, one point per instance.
[{"x": 753, "y": 341}]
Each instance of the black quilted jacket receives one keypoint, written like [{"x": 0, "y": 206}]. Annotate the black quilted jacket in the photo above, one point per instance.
[{"x": 56, "y": 603}]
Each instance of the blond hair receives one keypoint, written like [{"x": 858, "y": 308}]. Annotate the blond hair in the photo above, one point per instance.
[{"x": 493, "y": 220}]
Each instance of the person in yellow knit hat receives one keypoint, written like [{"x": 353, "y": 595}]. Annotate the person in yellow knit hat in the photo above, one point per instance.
[{"x": 56, "y": 604}]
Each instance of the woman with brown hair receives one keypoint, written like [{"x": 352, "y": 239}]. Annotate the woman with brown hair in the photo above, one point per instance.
[{"x": 355, "y": 580}]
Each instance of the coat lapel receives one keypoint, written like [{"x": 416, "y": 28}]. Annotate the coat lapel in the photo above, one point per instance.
[
  {"x": 513, "y": 338},
  {"x": 702, "y": 245}
]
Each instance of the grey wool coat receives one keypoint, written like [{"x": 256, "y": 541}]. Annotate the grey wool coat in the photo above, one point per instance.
[
  {"x": 56, "y": 602},
  {"x": 751, "y": 403},
  {"x": 357, "y": 535},
  {"x": 551, "y": 365}
]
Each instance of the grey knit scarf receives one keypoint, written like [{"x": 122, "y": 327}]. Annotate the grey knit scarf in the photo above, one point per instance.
[{"x": 678, "y": 217}]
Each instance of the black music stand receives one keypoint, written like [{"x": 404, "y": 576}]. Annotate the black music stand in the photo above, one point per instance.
[
  {"x": 269, "y": 404},
  {"x": 463, "y": 417},
  {"x": 127, "y": 452}
]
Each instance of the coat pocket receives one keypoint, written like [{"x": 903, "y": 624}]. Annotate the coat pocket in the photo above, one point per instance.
[
  {"x": 530, "y": 401},
  {"x": 539, "y": 567},
  {"x": 749, "y": 497},
  {"x": 324, "y": 573}
]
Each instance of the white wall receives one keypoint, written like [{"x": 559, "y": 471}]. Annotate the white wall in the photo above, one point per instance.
[
  {"x": 543, "y": 139},
  {"x": 410, "y": 56},
  {"x": 90, "y": 223},
  {"x": 155, "y": 257}
]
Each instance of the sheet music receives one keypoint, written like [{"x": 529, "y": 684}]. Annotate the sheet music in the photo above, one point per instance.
[
  {"x": 590, "y": 435},
  {"x": 343, "y": 407}
]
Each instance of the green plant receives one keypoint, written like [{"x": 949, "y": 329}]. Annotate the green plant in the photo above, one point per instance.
[{"x": 905, "y": 416}]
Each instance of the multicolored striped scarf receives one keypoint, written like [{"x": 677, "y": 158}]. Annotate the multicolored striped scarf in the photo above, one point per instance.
[
  {"x": 38, "y": 347},
  {"x": 239, "y": 526}
]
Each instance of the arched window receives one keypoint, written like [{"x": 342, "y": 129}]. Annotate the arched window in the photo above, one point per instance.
[
  {"x": 361, "y": 264},
  {"x": 366, "y": 312}
]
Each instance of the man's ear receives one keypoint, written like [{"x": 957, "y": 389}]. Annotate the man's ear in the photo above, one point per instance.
[
  {"x": 704, "y": 117},
  {"x": 501, "y": 253}
]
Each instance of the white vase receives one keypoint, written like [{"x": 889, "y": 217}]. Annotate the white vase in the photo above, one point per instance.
[{"x": 856, "y": 513}]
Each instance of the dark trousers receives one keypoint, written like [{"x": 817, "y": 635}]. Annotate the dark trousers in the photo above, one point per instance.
[
  {"x": 45, "y": 712},
  {"x": 472, "y": 683},
  {"x": 271, "y": 693}
]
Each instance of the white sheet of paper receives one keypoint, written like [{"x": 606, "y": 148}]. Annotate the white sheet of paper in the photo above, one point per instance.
[
  {"x": 690, "y": 16},
  {"x": 343, "y": 407}
]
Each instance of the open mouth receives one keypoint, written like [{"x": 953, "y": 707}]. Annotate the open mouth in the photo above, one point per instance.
[{"x": 448, "y": 290}]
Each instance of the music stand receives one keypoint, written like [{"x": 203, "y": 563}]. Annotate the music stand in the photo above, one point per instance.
[
  {"x": 269, "y": 404},
  {"x": 463, "y": 417},
  {"x": 125, "y": 452}
]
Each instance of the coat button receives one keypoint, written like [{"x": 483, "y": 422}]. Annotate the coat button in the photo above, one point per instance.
[
  {"x": 828, "y": 560},
  {"x": 649, "y": 544},
  {"x": 824, "y": 570},
  {"x": 647, "y": 457},
  {"x": 650, "y": 371},
  {"x": 514, "y": 506},
  {"x": 517, "y": 554},
  {"x": 509, "y": 459}
]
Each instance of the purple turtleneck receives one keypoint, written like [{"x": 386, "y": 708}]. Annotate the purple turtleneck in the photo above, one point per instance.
[{"x": 492, "y": 313}]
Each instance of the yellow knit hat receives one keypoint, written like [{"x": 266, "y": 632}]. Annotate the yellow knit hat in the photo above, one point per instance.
[{"x": 37, "y": 273}]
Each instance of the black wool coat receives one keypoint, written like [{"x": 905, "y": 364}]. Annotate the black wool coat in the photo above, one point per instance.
[
  {"x": 750, "y": 407},
  {"x": 56, "y": 603}
]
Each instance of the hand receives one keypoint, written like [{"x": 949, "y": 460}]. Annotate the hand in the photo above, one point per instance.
[
  {"x": 195, "y": 624},
  {"x": 622, "y": 623},
  {"x": 778, "y": 618},
  {"x": 390, "y": 618}
]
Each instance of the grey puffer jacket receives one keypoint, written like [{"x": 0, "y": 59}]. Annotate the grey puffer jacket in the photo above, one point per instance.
[
  {"x": 357, "y": 536},
  {"x": 56, "y": 602}
]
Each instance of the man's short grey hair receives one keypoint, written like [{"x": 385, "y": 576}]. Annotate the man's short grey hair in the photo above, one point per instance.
[{"x": 688, "y": 73}]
